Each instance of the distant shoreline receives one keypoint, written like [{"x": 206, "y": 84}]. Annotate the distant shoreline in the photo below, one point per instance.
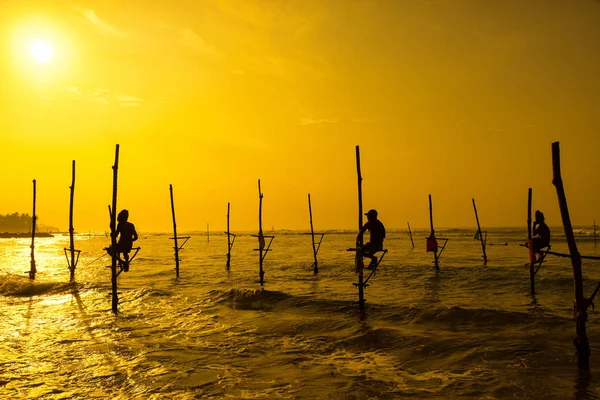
[{"x": 5, "y": 235}]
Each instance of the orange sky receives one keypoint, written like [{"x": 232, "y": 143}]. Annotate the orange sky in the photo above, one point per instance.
[{"x": 459, "y": 99}]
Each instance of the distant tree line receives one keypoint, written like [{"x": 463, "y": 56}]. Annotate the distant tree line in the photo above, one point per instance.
[{"x": 16, "y": 223}]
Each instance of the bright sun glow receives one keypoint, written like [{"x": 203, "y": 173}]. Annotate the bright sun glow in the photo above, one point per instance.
[{"x": 41, "y": 51}]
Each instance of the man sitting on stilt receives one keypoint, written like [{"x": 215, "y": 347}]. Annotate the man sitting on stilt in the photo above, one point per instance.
[
  {"x": 128, "y": 235},
  {"x": 377, "y": 234}
]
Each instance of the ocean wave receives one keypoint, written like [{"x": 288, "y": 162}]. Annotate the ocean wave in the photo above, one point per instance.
[{"x": 15, "y": 285}]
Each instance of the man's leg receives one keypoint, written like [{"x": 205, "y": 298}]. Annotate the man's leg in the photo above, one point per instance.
[{"x": 126, "y": 262}]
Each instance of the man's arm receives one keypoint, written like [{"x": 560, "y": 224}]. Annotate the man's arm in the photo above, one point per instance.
[{"x": 135, "y": 235}]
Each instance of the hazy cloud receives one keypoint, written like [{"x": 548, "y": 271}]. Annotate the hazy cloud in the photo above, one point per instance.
[
  {"x": 104, "y": 26},
  {"x": 317, "y": 121}
]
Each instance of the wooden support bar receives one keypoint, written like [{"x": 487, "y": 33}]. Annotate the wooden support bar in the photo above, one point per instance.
[
  {"x": 581, "y": 342},
  {"x": 410, "y": 235},
  {"x": 32, "y": 268},
  {"x": 312, "y": 233},
  {"x": 174, "y": 232},
  {"x": 113, "y": 234}
]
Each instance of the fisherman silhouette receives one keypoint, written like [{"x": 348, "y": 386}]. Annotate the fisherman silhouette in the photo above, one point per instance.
[
  {"x": 377, "y": 234},
  {"x": 541, "y": 233},
  {"x": 127, "y": 235}
]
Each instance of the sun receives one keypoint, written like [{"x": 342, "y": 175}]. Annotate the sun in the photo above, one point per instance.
[{"x": 41, "y": 51}]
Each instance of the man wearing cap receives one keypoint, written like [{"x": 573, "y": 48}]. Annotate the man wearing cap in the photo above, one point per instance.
[{"x": 377, "y": 234}]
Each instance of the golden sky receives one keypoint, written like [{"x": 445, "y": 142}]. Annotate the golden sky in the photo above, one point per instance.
[{"x": 459, "y": 99}]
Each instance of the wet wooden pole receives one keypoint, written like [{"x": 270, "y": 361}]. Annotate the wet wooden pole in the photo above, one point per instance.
[
  {"x": 73, "y": 262},
  {"x": 410, "y": 235},
  {"x": 480, "y": 234},
  {"x": 174, "y": 233},
  {"x": 312, "y": 234},
  {"x": 261, "y": 238},
  {"x": 32, "y": 269},
  {"x": 432, "y": 235},
  {"x": 229, "y": 243},
  {"x": 529, "y": 235},
  {"x": 113, "y": 235},
  {"x": 581, "y": 343},
  {"x": 359, "y": 255}
]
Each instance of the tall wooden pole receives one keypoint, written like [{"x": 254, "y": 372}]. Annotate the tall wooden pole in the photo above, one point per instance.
[
  {"x": 480, "y": 234},
  {"x": 529, "y": 235},
  {"x": 261, "y": 238},
  {"x": 228, "y": 238},
  {"x": 435, "y": 253},
  {"x": 33, "y": 269},
  {"x": 113, "y": 235},
  {"x": 359, "y": 255},
  {"x": 410, "y": 235},
  {"x": 71, "y": 229},
  {"x": 312, "y": 234},
  {"x": 582, "y": 345},
  {"x": 174, "y": 233}
]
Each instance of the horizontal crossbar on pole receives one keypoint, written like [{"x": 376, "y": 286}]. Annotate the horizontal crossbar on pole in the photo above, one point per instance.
[
  {"x": 181, "y": 237},
  {"x": 569, "y": 256}
]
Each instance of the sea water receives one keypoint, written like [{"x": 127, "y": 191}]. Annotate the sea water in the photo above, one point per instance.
[{"x": 467, "y": 330}]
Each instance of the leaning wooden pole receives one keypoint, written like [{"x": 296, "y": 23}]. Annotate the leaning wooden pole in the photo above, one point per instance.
[
  {"x": 32, "y": 269},
  {"x": 435, "y": 252},
  {"x": 113, "y": 236},
  {"x": 228, "y": 238},
  {"x": 582, "y": 345},
  {"x": 359, "y": 255},
  {"x": 71, "y": 229},
  {"x": 174, "y": 233},
  {"x": 480, "y": 234},
  {"x": 410, "y": 235},
  {"x": 529, "y": 235},
  {"x": 261, "y": 238},
  {"x": 312, "y": 234}
]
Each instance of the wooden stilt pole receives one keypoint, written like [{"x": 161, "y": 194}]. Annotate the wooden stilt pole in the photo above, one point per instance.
[
  {"x": 410, "y": 235},
  {"x": 595, "y": 226},
  {"x": 32, "y": 269},
  {"x": 582, "y": 345},
  {"x": 432, "y": 234},
  {"x": 359, "y": 255},
  {"x": 261, "y": 238},
  {"x": 480, "y": 234},
  {"x": 73, "y": 262},
  {"x": 229, "y": 243},
  {"x": 174, "y": 233},
  {"x": 529, "y": 235},
  {"x": 312, "y": 234},
  {"x": 113, "y": 234}
]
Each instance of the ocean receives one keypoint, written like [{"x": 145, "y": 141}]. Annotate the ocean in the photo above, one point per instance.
[{"x": 465, "y": 331}]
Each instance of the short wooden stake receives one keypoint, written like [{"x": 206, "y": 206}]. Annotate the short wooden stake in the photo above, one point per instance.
[
  {"x": 32, "y": 269},
  {"x": 480, "y": 234},
  {"x": 595, "y": 226},
  {"x": 410, "y": 235},
  {"x": 581, "y": 342}
]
